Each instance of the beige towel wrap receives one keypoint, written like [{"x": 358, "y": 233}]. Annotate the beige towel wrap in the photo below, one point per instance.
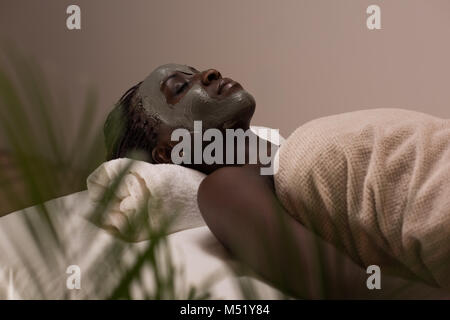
[{"x": 375, "y": 183}]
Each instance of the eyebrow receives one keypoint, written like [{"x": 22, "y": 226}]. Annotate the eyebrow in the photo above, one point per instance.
[
  {"x": 174, "y": 75},
  {"x": 167, "y": 79}
]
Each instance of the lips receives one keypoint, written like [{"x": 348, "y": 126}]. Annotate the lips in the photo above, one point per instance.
[{"x": 225, "y": 84}]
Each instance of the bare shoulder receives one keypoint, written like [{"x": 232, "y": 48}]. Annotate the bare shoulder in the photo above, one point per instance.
[
  {"x": 233, "y": 191},
  {"x": 232, "y": 198}
]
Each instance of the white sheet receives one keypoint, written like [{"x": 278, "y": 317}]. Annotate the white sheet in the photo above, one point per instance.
[{"x": 196, "y": 251}]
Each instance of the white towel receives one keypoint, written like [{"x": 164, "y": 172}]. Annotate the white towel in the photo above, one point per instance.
[{"x": 166, "y": 190}]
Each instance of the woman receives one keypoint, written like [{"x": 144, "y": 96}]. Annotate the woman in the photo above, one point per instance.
[{"x": 261, "y": 218}]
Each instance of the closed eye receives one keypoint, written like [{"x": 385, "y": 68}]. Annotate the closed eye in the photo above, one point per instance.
[{"x": 180, "y": 87}]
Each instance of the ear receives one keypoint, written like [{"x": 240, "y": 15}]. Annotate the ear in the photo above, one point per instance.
[{"x": 162, "y": 154}]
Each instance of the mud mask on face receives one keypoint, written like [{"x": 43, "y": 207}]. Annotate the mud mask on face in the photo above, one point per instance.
[{"x": 196, "y": 104}]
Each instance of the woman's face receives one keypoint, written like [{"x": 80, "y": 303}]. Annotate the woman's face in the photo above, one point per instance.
[{"x": 179, "y": 95}]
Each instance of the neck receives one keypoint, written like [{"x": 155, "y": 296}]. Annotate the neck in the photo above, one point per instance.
[{"x": 258, "y": 152}]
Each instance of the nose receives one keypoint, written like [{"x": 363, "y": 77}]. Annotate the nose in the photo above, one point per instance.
[{"x": 210, "y": 75}]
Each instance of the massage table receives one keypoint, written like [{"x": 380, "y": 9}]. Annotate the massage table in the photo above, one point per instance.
[{"x": 32, "y": 267}]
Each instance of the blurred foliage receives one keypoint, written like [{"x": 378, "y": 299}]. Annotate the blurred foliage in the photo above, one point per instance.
[{"x": 37, "y": 162}]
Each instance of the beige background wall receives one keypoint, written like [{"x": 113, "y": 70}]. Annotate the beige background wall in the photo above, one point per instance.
[{"x": 300, "y": 59}]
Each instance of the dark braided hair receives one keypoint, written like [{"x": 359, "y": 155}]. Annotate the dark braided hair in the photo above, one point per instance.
[{"x": 130, "y": 128}]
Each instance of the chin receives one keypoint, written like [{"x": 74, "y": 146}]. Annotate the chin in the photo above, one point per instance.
[
  {"x": 245, "y": 103},
  {"x": 248, "y": 105},
  {"x": 244, "y": 107}
]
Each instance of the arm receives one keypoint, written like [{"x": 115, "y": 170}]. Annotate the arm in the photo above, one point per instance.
[{"x": 240, "y": 208}]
